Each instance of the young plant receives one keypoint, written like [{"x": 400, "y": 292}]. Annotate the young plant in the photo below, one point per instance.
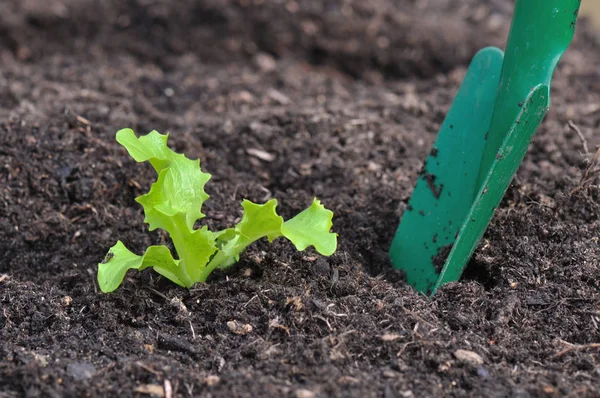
[{"x": 174, "y": 205}]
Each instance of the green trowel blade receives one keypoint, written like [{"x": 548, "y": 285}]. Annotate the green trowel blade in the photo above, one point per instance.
[
  {"x": 497, "y": 111},
  {"x": 540, "y": 33},
  {"x": 445, "y": 189},
  {"x": 503, "y": 168}
]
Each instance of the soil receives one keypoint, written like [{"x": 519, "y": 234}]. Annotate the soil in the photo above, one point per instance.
[{"x": 335, "y": 99}]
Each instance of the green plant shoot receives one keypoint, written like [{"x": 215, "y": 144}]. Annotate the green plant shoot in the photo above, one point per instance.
[{"x": 174, "y": 204}]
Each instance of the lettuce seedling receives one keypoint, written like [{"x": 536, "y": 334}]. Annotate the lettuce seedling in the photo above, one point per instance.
[{"x": 174, "y": 204}]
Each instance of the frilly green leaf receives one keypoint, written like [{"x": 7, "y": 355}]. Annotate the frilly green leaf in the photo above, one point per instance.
[
  {"x": 119, "y": 260},
  {"x": 259, "y": 220},
  {"x": 180, "y": 185},
  {"x": 312, "y": 227}
]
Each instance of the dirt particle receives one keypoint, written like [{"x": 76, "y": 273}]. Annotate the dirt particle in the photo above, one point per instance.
[
  {"x": 239, "y": 328},
  {"x": 469, "y": 357},
  {"x": 440, "y": 258},
  {"x": 155, "y": 390},
  {"x": 321, "y": 267},
  {"x": 173, "y": 343},
  {"x": 66, "y": 301},
  {"x": 348, "y": 380},
  {"x": 260, "y": 154},
  {"x": 303, "y": 393},
  {"x": 212, "y": 380},
  {"x": 177, "y": 303},
  {"x": 265, "y": 62},
  {"x": 294, "y": 303},
  {"x": 42, "y": 360},
  {"x": 390, "y": 337},
  {"x": 389, "y": 374},
  {"x": 108, "y": 257},
  {"x": 430, "y": 179},
  {"x": 444, "y": 367}
]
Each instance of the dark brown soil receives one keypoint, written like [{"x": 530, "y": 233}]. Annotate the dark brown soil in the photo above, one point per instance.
[{"x": 347, "y": 97}]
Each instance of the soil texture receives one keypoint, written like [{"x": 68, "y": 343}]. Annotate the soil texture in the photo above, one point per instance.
[{"x": 288, "y": 99}]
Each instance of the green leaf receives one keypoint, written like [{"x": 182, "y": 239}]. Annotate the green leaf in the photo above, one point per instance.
[
  {"x": 199, "y": 247},
  {"x": 222, "y": 237},
  {"x": 119, "y": 260},
  {"x": 230, "y": 253},
  {"x": 180, "y": 185},
  {"x": 311, "y": 227},
  {"x": 258, "y": 221},
  {"x": 151, "y": 147}
]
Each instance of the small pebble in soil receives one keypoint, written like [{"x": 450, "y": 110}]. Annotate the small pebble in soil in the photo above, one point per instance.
[
  {"x": 348, "y": 380},
  {"x": 303, "y": 393},
  {"x": 389, "y": 374},
  {"x": 468, "y": 356},
  {"x": 239, "y": 328},
  {"x": 265, "y": 62},
  {"x": 390, "y": 337},
  {"x": 154, "y": 390},
  {"x": 212, "y": 380}
]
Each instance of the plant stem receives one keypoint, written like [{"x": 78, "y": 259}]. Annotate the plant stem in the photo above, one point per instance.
[
  {"x": 225, "y": 254},
  {"x": 217, "y": 260},
  {"x": 178, "y": 238}
]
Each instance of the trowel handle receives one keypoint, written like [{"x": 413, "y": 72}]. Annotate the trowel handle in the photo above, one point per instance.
[{"x": 540, "y": 33}]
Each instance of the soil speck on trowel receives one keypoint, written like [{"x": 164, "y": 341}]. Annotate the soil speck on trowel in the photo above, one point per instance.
[
  {"x": 430, "y": 179},
  {"x": 440, "y": 258}
]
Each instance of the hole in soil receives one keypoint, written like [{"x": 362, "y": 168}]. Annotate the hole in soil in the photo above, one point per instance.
[
  {"x": 482, "y": 272},
  {"x": 317, "y": 55}
]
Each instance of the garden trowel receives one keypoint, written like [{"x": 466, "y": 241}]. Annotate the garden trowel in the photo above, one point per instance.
[{"x": 498, "y": 107}]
